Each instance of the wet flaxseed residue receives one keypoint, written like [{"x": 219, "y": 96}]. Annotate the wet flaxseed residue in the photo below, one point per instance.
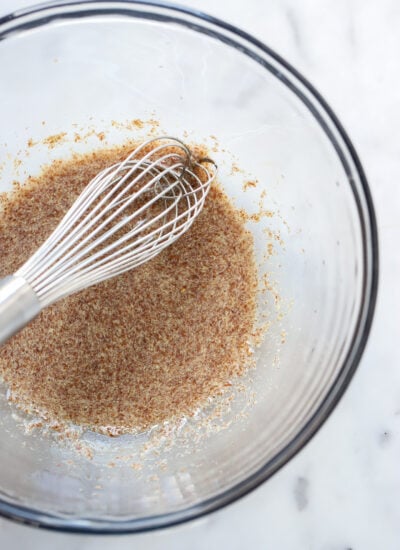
[{"x": 148, "y": 346}]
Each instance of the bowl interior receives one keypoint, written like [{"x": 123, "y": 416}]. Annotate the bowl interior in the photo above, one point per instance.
[{"x": 64, "y": 73}]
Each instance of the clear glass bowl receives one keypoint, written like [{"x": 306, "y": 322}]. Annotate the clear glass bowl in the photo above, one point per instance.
[{"x": 87, "y": 63}]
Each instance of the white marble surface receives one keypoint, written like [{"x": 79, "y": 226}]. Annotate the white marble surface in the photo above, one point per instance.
[{"x": 342, "y": 491}]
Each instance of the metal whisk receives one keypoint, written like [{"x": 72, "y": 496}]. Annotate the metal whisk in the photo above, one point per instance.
[{"x": 125, "y": 216}]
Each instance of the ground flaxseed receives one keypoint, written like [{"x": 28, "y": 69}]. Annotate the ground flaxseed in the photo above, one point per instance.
[{"x": 150, "y": 345}]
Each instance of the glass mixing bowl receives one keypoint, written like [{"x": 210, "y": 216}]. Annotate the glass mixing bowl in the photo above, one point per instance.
[{"x": 81, "y": 65}]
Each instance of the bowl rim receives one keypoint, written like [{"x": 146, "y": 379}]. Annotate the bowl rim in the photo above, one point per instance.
[{"x": 21, "y": 20}]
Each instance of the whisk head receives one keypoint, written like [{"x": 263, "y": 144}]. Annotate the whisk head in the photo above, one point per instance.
[{"x": 126, "y": 215}]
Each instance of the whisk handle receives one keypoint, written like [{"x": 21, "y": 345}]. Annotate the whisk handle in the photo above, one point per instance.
[{"x": 18, "y": 305}]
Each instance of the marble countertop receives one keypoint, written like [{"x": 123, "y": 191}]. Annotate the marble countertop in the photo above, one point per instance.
[{"x": 342, "y": 491}]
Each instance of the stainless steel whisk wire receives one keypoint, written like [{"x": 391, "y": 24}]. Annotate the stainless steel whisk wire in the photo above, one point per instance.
[{"x": 81, "y": 251}]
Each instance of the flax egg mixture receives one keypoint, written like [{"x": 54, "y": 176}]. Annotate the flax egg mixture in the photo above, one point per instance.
[{"x": 154, "y": 344}]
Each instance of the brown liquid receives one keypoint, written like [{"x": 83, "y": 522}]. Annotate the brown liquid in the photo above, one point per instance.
[{"x": 150, "y": 345}]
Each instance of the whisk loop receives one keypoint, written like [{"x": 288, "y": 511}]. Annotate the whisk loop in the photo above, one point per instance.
[{"x": 124, "y": 217}]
